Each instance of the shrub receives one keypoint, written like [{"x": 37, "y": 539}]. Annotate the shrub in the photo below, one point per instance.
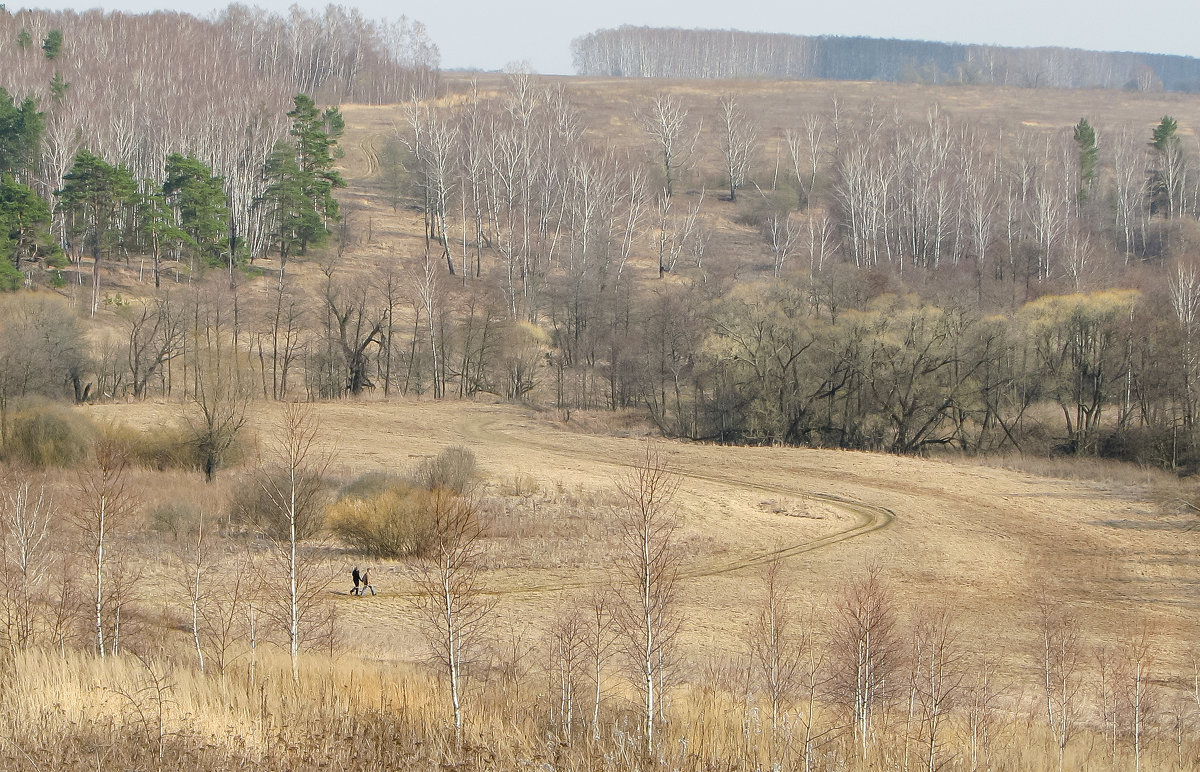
[
  {"x": 1146, "y": 445},
  {"x": 165, "y": 447},
  {"x": 399, "y": 522},
  {"x": 11, "y": 279},
  {"x": 47, "y": 436},
  {"x": 453, "y": 468},
  {"x": 367, "y": 485},
  {"x": 157, "y": 447},
  {"x": 175, "y": 519},
  {"x": 253, "y": 507}
]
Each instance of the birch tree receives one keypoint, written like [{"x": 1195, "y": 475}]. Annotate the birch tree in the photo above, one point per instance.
[
  {"x": 648, "y": 564},
  {"x": 104, "y": 506},
  {"x": 301, "y": 463},
  {"x": 738, "y": 137},
  {"x": 1184, "y": 286},
  {"x": 455, "y": 611},
  {"x": 865, "y": 652},
  {"x": 666, "y": 123},
  {"x": 1061, "y": 666},
  {"x": 26, "y": 515},
  {"x": 778, "y": 651}
]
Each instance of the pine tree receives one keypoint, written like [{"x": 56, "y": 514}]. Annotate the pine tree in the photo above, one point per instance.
[
  {"x": 94, "y": 196},
  {"x": 301, "y": 179},
  {"x": 1166, "y": 179},
  {"x": 24, "y": 223},
  {"x": 24, "y": 216},
  {"x": 316, "y": 134},
  {"x": 58, "y": 87},
  {"x": 52, "y": 45},
  {"x": 294, "y": 221},
  {"x": 197, "y": 198},
  {"x": 156, "y": 221},
  {"x": 1085, "y": 138},
  {"x": 20, "y": 133}
]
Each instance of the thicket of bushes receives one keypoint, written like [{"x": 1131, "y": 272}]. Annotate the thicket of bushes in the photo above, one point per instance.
[
  {"x": 392, "y": 517},
  {"x": 46, "y": 435},
  {"x": 258, "y": 503},
  {"x": 392, "y": 524}
]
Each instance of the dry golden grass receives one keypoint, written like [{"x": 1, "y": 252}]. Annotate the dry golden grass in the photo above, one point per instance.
[
  {"x": 983, "y": 539},
  {"x": 985, "y": 542},
  {"x": 78, "y": 712}
]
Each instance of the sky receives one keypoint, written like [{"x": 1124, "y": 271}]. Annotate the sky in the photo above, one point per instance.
[{"x": 478, "y": 34}]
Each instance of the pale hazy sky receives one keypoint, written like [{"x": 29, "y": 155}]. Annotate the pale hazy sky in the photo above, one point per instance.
[{"x": 490, "y": 35}]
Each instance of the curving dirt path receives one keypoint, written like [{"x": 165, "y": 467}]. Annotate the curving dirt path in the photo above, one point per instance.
[
  {"x": 984, "y": 542},
  {"x": 865, "y": 518},
  {"x": 370, "y": 155}
]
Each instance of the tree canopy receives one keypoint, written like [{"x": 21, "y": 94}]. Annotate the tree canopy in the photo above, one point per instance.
[
  {"x": 300, "y": 179},
  {"x": 21, "y": 129},
  {"x": 197, "y": 197}
]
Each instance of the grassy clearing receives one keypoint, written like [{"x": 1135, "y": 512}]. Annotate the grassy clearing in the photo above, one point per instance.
[{"x": 977, "y": 539}]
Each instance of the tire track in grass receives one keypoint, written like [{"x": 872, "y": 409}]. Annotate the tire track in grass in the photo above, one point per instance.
[
  {"x": 868, "y": 518},
  {"x": 370, "y": 155}
]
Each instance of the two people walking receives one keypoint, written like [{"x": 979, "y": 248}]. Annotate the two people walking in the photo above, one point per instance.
[{"x": 362, "y": 582}]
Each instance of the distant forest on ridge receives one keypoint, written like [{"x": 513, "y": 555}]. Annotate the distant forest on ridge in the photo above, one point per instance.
[{"x": 650, "y": 52}]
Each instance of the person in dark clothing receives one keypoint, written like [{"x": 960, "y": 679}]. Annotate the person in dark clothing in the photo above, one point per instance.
[
  {"x": 357, "y": 579},
  {"x": 366, "y": 583}
]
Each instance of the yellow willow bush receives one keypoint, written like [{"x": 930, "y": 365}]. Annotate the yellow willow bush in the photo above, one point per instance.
[{"x": 396, "y": 523}]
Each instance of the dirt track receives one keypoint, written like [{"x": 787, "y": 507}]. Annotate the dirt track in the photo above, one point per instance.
[
  {"x": 866, "y": 518},
  {"x": 983, "y": 542}
]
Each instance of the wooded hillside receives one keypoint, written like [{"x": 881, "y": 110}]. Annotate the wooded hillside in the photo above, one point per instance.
[
  {"x": 265, "y": 351},
  {"x": 134, "y": 88},
  {"x": 900, "y": 270}
]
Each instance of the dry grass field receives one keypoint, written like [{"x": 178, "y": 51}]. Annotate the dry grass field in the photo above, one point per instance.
[
  {"x": 994, "y": 543},
  {"x": 608, "y": 110},
  {"x": 988, "y": 544},
  {"x": 983, "y": 542}
]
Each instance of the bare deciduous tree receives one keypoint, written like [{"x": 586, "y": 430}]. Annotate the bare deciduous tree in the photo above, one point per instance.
[
  {"x": 26, "y": 514},
  {"x": 455, "y": 610},
  {"x": 600, "y": 640},
  {"x": 294, "y": 448},
  {"x": 1184, "y": 285},
  {"x": 1137, "y": 693},
  {"x": 649, "y": 567},
  {"x": 192, "y": 581},
  {"x": 804, "y": 149},
  {"x": 937, "y": 673},
  {"x": 666, "y": 123},
  {"x": 355, "y": 322},
  {"x": 739, "y": 142},
  {"x": 675, "y": 233},
  {"x": 105, "y": 504},
  {"x": 1062, "y": 672},
  {"x": 783, "y": 234},
  {"x": 225, "y": 611},
  {"x": 567, "y": 641},
  {"x": 865, "y": 651},
  {"x": 981, "y": 709},
  {"x": 221, "y": 398},
  {"x": 777, "y": 650}
]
